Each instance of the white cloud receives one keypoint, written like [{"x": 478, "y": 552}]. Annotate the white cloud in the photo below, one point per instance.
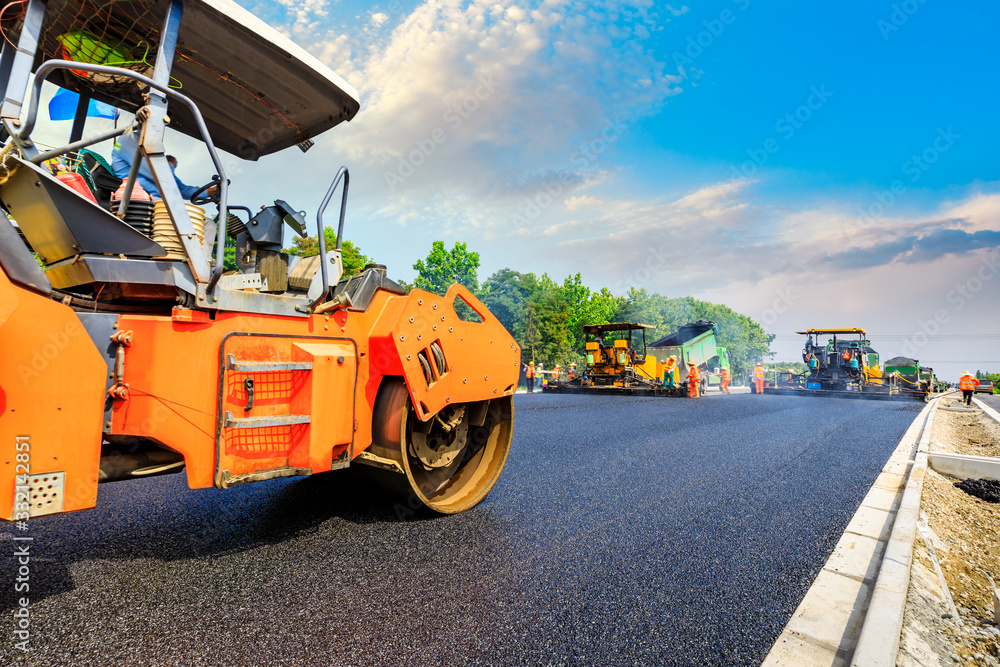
[
  {"x": 719, "y": 237},
  {"x": 574, "y": 203},
  {"x": 473, "y": 110},
  {"x": 472, "y": 98}
]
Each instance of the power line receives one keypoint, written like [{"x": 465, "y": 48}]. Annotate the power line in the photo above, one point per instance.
[{"x": 895, "y": 337}]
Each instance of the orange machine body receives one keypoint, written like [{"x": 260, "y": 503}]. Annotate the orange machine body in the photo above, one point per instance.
[
  {"x": 52, "y": 385},
  {"x": 186, "y": 378}
]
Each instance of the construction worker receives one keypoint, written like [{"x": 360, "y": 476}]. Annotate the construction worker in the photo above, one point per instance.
[
  {"x": 529, "y": 376},
  {"x": 555, "y": 373},
  {"x": 121, "y": 164},
  {"x": 694, "y": 381},
  {"x": 968, "y": 385},
  {"x": 572, "y": 370},
  {"x": 758, "y": 377},
  {"x": 726, "y": 378},
  {"x": 670, "y": 374},
  {"x": 813, "y": 363}
]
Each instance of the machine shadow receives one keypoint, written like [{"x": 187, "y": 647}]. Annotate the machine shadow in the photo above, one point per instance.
[{"x": 192, "y": 524}]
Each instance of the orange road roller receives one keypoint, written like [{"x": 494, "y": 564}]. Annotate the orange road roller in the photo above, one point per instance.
[{"x": 130, "y": 349}]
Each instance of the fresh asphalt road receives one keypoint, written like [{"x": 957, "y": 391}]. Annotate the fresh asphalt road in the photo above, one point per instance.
[{"x": 624, "y": 531}]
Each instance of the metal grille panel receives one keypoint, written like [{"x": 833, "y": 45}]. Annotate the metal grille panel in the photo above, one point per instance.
[{"x": 266, "y": 442}]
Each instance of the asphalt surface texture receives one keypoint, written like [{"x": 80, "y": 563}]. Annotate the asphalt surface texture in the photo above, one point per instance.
[
  {"x": 624, "y": 531},
  {"x": 992, "y": 400}
]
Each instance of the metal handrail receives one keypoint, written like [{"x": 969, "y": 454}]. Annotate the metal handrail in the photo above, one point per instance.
[
  {"x": 49, "y": 66},
  {"x": 82, "y": 143},
  {"x": 343, "y": 173}
]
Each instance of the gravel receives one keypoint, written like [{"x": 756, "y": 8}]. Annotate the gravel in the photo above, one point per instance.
[{"x": 624, "y": 531}]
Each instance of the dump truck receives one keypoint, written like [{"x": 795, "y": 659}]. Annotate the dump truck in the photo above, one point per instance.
[
  {"x": 842, "y": 363},
  {"x": 619, "y": 365},
  {"x": 912, "y": 376},
  {"x": 694, "y": 343},
  {"x": 128, "y": 350}
]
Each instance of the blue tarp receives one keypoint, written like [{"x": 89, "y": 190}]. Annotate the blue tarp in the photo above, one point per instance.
[{"x": 63, "y": 106}]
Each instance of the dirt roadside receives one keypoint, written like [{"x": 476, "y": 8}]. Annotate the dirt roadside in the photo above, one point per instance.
[{"x": 964, "y": 534}]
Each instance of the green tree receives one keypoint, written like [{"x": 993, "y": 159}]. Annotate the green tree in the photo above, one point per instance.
[
  {"x": 585, "y": 307},
  {"x": 229, "y": 258},
  {"x": 548, "y": 338},
  {"x": 353, "y": 259},
  {"x": 507, "y": 294},
  {"x": 642, "y": 307},
  {"x": 443, "y": 268}
]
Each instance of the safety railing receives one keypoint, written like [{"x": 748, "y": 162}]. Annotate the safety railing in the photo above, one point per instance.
[
  {"x": 28, "y": 126},
  {"x": 342, "y": 174}
]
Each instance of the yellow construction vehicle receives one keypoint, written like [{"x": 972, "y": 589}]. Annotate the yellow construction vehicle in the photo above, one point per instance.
[
  {"x": 615, "y": 364},
  {"x": 619, "y": 365},
  {"x": 841, "y": 362}
]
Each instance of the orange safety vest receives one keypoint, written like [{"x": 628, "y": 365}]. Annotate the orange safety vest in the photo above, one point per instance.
[
  {"x": 529, "y": 371},
  {"x": 968, "y": 383},
  {"x": 725, "y": 374},
  {"x": 758, "y": 373},
  {"x": 693, "y": 374}
]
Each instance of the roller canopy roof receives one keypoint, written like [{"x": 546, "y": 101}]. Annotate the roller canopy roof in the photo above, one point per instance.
[
  {"x": 594, "y": 329},
  {"x": 854, "y": 330},
  {"x": 258, "y": 91}
]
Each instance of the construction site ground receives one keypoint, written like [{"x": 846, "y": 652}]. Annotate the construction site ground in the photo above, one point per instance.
[
  {"x": 964, "y": 533},
  {"x": 624, "y": 531}
]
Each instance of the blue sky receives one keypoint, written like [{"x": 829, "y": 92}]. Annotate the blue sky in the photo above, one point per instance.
[
  {"x": 889, "y": 92},
  {"x": 808, "y": 164}
]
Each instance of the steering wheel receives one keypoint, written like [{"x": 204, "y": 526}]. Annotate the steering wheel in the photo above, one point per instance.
[{"x": 199, "y": 200}]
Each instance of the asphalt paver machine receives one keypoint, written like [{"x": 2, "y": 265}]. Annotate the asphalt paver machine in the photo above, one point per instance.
[
  {"x": 128, "y": 350},
  {"x": 615, "y": 362},
  {"x": 842, "y": 363}
]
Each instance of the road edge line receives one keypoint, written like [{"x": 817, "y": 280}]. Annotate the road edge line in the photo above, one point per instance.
[{"x": 987, "y": 410}]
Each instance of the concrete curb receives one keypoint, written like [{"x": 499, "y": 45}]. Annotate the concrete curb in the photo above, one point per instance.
[
  {"x": 878, "y": 643},
  {"x": 825, "y": 628},
  {"x": 964, "y": 466},
  {"x": 994, "y": 415}
]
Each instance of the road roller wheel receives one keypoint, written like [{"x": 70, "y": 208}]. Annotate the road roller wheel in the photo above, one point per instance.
[{"x": 452, "y": 460}]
